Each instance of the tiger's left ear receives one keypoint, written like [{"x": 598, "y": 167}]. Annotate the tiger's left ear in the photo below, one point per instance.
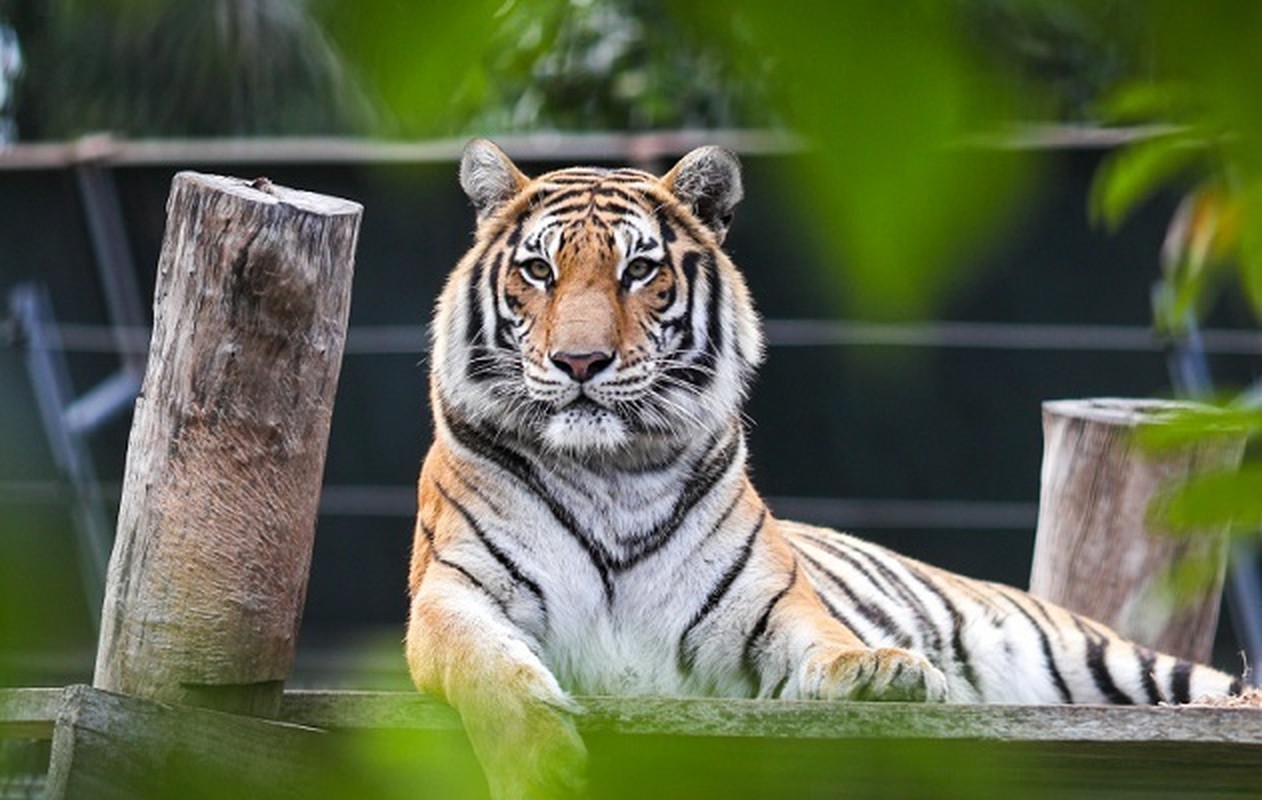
[{"x": 708, "y": 180}]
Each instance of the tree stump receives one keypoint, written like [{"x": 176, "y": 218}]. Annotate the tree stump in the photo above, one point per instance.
[
  {"x": 209, "y": 570},
  {"x": 1096, "y": 552}
]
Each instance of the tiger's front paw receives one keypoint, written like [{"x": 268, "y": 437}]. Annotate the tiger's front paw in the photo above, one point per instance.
[
  {"x": 886, "y": 673},
  {"x": 528, "y": 746}
]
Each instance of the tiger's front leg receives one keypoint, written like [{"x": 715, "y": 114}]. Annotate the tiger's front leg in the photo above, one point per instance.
[
  {"x": 517, "y": 717},
  {"x": 826, "y": 661}
]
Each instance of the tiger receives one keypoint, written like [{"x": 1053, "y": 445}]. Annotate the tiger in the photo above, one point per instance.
[{"x": 586, "y": 523}]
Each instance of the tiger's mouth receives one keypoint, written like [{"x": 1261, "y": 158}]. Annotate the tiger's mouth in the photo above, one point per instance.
[{"x": 584, "y": 403}]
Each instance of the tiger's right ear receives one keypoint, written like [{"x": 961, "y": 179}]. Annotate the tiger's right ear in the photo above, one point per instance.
[{"x": 489, "y": 177}]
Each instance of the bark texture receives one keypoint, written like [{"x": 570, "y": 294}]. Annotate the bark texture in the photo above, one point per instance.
[
  {"x": 1096, "y": 552},
  {"x": 209, "y": 569}
]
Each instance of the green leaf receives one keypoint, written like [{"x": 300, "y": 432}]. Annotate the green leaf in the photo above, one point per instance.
[
  {"x": 1251, "y": 248},
  {"x": 1192, "y": 425},
  {"x": 1130, "y": 175},
  {"x": 1143, "y": 101},
  {"x": 1214, "y": 501}
]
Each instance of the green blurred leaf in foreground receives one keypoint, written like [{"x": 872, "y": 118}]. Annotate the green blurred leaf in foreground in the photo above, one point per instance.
[
  {"x": 885, "y": 95},
  {"x": 1200, "y": 85},
  {"x": 1216, "y": 500},
  {"x": 1219, "y": 500}
]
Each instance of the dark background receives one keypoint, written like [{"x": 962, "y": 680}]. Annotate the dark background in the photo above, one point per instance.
[{"x": 933, "y": 450}]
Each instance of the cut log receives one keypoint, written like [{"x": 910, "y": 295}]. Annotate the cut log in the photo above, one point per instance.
[
  {"x": 1096, "y": 551},
  {"x": 209, "y": 569}
]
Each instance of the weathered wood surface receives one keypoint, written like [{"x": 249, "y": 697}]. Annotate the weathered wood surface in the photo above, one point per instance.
[
  {"x": 1095, "y": 551},
  {"x": 360, "y": 710},
  {"x": 209, "y": 569},
  {"x": 683, "y": 747},
  {"x": 109, "y": 747},
  {"x": 28, "y": 713},
  {"x": 688, "y": 748},
  {"x": 812, "y": 720}
]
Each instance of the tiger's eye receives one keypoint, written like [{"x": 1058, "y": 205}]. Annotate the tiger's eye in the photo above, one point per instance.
[
  {"x": 638, "y": 270},
  {"x": 537, "y": 269}
]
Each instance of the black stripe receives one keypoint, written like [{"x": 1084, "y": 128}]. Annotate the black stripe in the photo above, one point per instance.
[
  {"x": 512, "y": 462},
  {"x": 836, "y": 614},
  {"x": 605, "y": 190},
  {"x": 670, "y": 211},
  {"x": 927, "y": 632},
  {"x": 748, "y": 667},
  {"x": 689, "y": 264},
  {"x": 476, "y": 491},
  {"x": 687, "y": 374},
  {"x": 1147, "y": 668},
  {"x": 1049, "y": 657},
  {"x": 514, "y": 235},
  {"x": 1180, "y": 682},
  {"x": 499, "y": 555},
  {"x": 714, "y": 330},
  {"x": 1097, "y": 646},
  {"x": 567, "y": 195},
  {"x": 479, "y": 585},
  {"x": 667, "y": 226},
  {"x": 697, "y": 486},
  {"x": 686, "y": 656},
  {"x": 503, "y": 325},
  {"x": 567, "y": 208},
  {"x": 875, "y": 615},
  {"x": 958, "y": 651},
  {"x": 1236, "y": 687},
  {"x": 428, "y": 532},
  {"x": 621, "y": 209},
  {"x": 473, "y": 331}
]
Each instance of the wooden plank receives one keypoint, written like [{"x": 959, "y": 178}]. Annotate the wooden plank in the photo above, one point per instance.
[
  {"x": 108, "y": 746},
  {"x": 358, "y": 710},
  {"x": 226, "y": 455},
  {"x": 685, "y": 748},
  {"x": 388, "y": 744},
  {"x": 28, "y": 713},
  {"x": 715, "y": 717}
]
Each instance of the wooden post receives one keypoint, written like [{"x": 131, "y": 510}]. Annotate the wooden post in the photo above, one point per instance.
[
  {"x": 209, "y": 570},
  {"x": 1095, "y": 551}
]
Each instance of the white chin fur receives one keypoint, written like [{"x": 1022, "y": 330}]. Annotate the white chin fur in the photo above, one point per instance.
[{"x": 585, "y": 430}]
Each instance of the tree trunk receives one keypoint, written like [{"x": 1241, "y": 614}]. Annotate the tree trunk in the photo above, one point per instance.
[
  {"x": 209, "y": 569},
  {"x": 1096, "y": 552}
]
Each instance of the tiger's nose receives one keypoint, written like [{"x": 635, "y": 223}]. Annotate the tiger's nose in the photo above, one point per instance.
[{"x": 582, "y": 366}]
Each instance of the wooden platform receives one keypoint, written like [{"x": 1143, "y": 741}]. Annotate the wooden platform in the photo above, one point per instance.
[{"x": 373, "y": 744}]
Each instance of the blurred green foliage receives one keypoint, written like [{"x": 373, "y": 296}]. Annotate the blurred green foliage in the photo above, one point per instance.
[
  {"x": 1199, "y": 91},
  {"x": 885, "y": 96},
  {"x": 1216, "y": 501},
  {"x": 168, "y": 68}
]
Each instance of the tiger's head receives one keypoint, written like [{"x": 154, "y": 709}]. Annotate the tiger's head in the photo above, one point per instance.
[{"x": 595, "y": 313}]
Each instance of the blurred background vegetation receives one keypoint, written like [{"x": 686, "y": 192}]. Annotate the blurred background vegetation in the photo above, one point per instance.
[
  {"x": 891, "y": 101},
  {"x": 886, "y": 98},
  {"x": 901, "y": 109}
]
